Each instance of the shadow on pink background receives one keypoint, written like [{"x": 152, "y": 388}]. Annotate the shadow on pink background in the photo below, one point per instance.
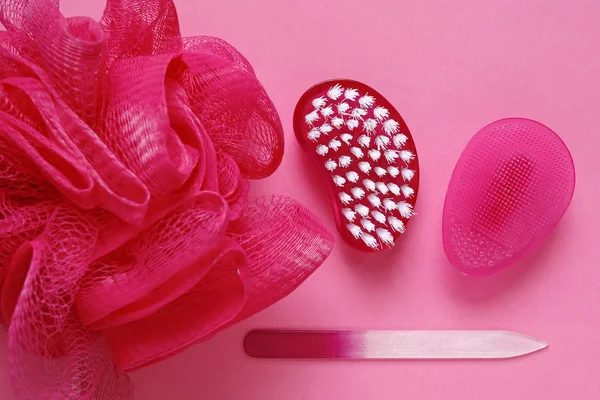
[{"x": 450, "y": 67}]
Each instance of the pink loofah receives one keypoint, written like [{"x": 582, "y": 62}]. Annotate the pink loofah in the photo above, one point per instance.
[{"x": 125, "y": 228}]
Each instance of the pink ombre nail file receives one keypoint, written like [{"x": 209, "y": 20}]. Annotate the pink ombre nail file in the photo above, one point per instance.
[{"x": 390, "y": 344}]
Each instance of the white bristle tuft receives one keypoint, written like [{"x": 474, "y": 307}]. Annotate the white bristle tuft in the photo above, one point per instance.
[
  {"x": 374, "y": 154},
  {"x": 335, "y": 144},
  {"x": 337, "y": 122},
  {"x": 330, "y": 165},
  {"x": 357, "y": 192},
  {"x": 407, "y": 174},
  {"x": 393, "y": 171},
  {"x": 345, "y": 198},
  {"x": 346, "y": 138},
  {"x": 389, "y": 204},
  {"x": 319, "y": 102},
  {"x": 362, "y": 210},
  {"x": 345, "y": 161},
  {"x": 335, "y": 92},
  {"x": 349, "y": 214},
  {"x": 369, "y": 240},
  {"x": 369, "y": 125},
  {"x": 374, "y": 200},
  {"x": 406, "y": 156},
  {"x": 339, "y": 181},
  {"x": 407, "y": 191},
  {"x": 383, "y": 189},
  {"x": 364, "y": 166},
  {"x": 396, "y": 224},
  {"x": 380, "y": 171},
  {"x": 391, "y": 126},
  {"x": 366, "y": 101},
  {"x": 326, "y": 129},
  {"x": 351, "y": 94},
  {"x": 364, "y": 140},
  {"x": 327, "y": 111},
  {"x": 394, "y": 188},
  {"x": 381, "y": 113},
  {"x": 354, "y": 230},
  {"x": 343, "y": 108},
  {"x": 369, "y": 184},
  {"x": 385, "y": 236},
  {"x": 405, "y": 209},
  {"x": 357, "y": 152},
  {"x": 352, "y": 124},
  {"x": 358, "y": 113},
  {"x": 378, "y": 215},
  {"x": 352, "y": 176},
  {"x": 382, "y": 142},
  {"x": 400, "y": 140},
  {"x": 391, "y": 155},
  {"x": 314, "y": 134},
  {"x": 311, "y": 118},
  {"x": 367, "y": 225},
  {"x": 322, "y": 150}
]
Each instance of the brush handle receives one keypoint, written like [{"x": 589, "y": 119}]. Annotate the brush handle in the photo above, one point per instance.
[{"x": 389, "y": 344}]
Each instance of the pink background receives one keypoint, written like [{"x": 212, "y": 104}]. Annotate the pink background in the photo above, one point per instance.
[{"x": 450, "y": 67}]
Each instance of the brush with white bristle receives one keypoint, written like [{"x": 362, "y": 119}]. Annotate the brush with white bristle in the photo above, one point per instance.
[{"x": 369, "y": 161}]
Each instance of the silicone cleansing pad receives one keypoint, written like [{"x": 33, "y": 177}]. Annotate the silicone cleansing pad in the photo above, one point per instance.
[
  {"x": 511, "y": 186},
  {"x": 365, "y": 153}
]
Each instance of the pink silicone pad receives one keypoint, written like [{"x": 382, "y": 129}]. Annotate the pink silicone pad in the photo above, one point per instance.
[
  {"x": 511, "y": 186},
  {"x": 366, "y": 155}
]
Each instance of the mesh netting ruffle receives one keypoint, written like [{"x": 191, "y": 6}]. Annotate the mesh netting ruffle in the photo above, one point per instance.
[{"x": 126, "y": 233}]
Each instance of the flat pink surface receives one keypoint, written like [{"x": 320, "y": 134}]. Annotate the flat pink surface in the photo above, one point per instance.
[{"x": 450, "y": 67}]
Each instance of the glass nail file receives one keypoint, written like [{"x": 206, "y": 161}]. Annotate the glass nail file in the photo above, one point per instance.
[{"x": 389, "y": 344}]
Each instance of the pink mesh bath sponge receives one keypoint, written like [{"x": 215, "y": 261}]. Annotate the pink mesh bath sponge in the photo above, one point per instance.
[
  {"x": 511, "y": 186},
  {"x": 126, "y": 232}
]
